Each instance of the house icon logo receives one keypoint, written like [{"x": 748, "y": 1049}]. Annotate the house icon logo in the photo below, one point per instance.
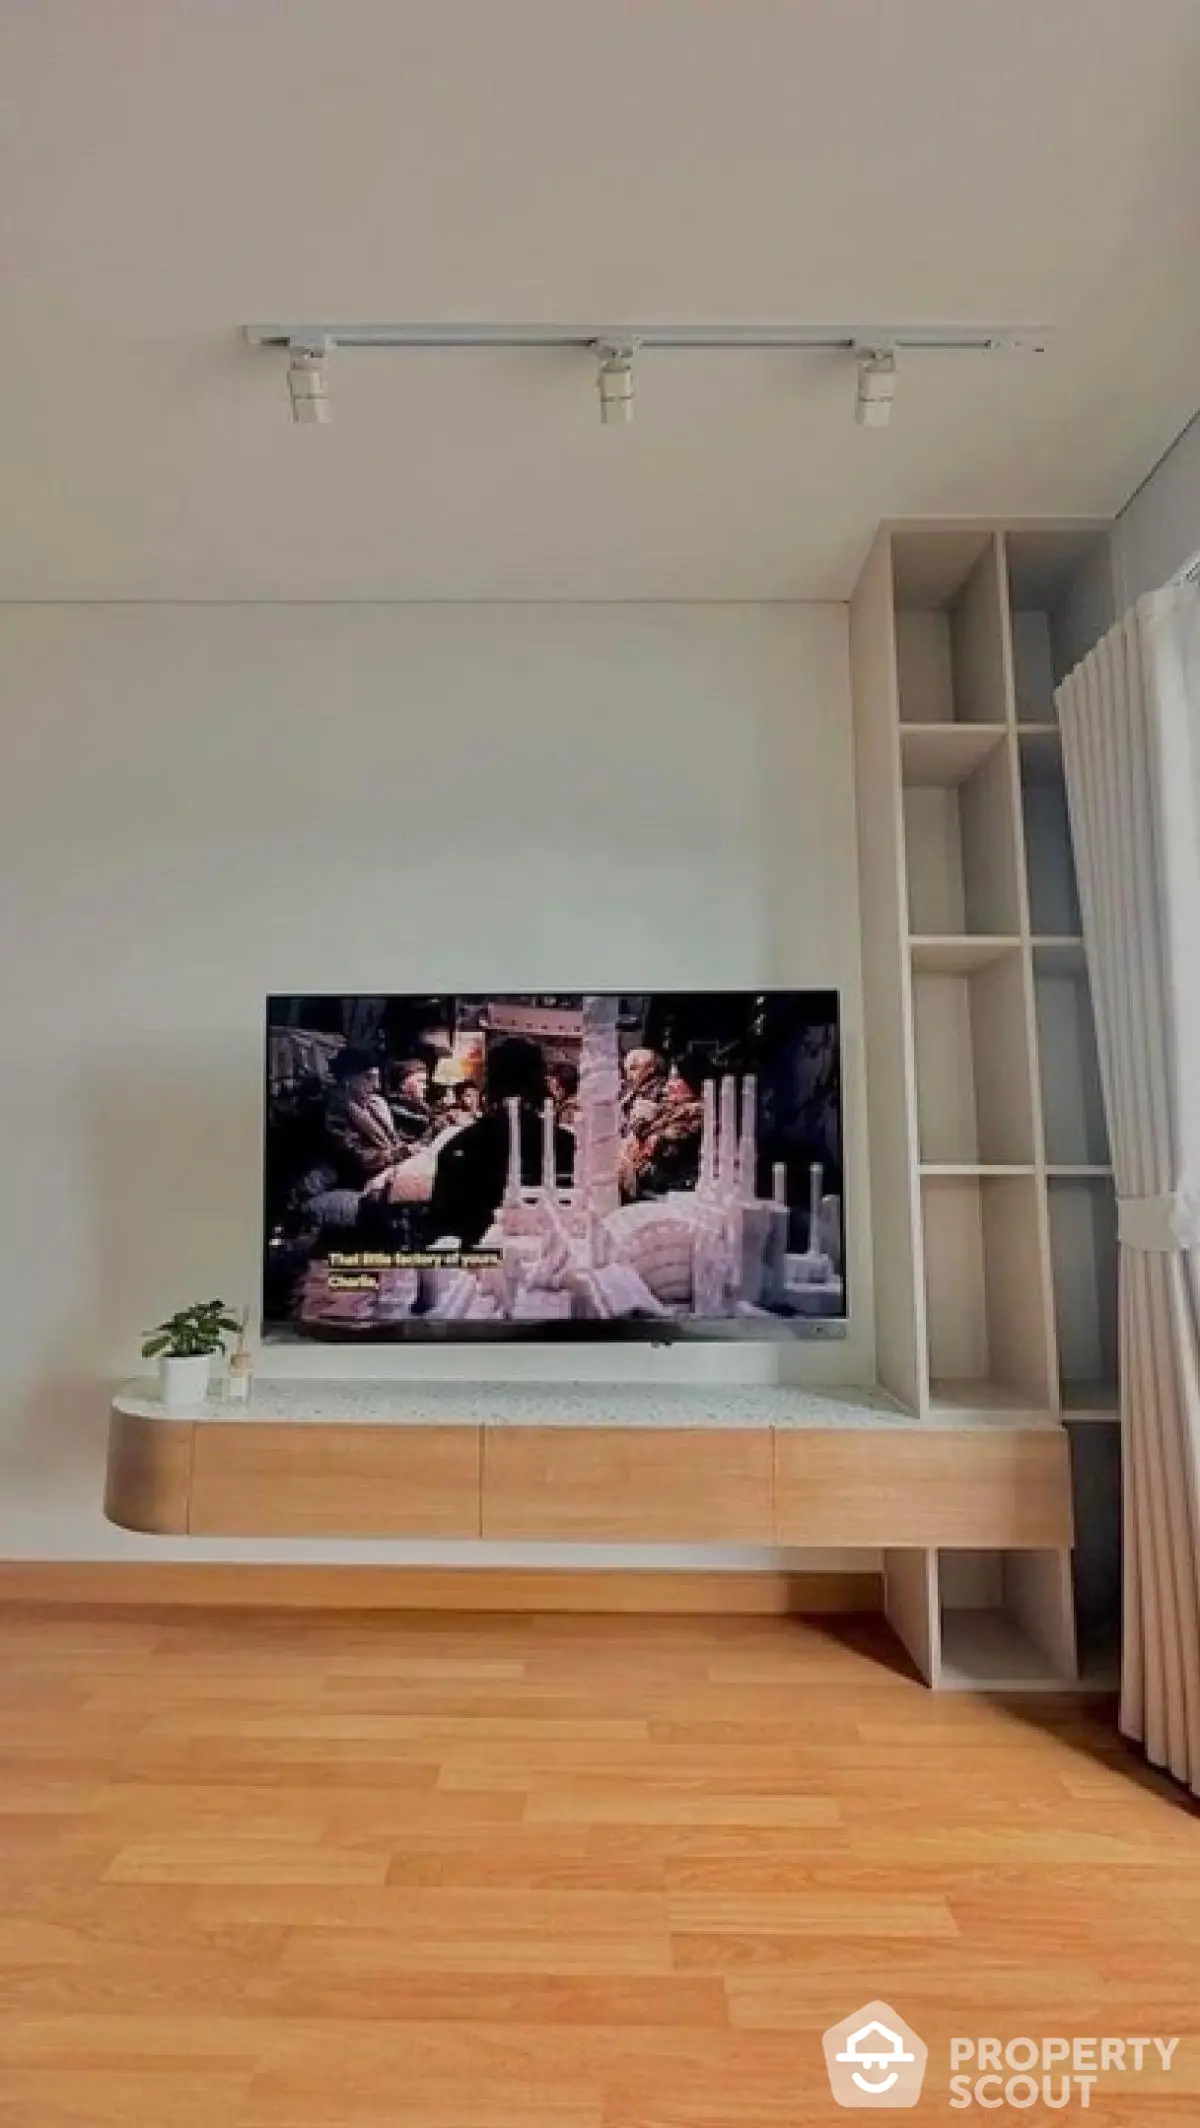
[{"x": 875, "y": 2059}]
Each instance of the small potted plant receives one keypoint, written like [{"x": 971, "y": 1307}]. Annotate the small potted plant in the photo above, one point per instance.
[{"x": 184, "y": 1347}]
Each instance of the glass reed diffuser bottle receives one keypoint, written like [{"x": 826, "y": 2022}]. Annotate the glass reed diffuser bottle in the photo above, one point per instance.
[{"x": 240, "y": 1378}]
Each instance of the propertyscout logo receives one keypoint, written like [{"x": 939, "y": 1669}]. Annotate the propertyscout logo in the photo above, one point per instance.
[{"x": 876, "y": 2060}]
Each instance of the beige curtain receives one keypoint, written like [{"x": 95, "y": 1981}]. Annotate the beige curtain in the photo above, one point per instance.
[{"x": 1130, "y": 719}]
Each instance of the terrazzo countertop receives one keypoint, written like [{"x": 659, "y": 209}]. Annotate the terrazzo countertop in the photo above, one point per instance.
[{"x": 634, "y": 1404}]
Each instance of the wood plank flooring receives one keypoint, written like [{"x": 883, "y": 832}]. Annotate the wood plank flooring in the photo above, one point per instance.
[{"x": 287, "y": 1870}]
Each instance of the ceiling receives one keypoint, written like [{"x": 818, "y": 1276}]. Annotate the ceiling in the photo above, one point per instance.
[{"x": 170, "y": 169}]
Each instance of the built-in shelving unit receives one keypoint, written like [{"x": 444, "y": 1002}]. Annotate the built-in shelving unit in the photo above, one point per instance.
[{"x": 994, "y": 1210}]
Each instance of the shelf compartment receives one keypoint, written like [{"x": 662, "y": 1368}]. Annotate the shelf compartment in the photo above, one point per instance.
[
  {"x": 952, "y": 1396},
  {"x": 1034, "y": 679},
  {"x": 957, "y": 956},
  {"x": 974, "y": 1090},
  {"x": 1091, "y": 1403},
  {"x": 1076, "y": 1135},
  {"x": 1061, "y": 601},
  {"x": 1096, "y": 1562},
  {"x": 1006, "y": 1621},
  {"x": 985, "y": 1650},
  {"x": 1040, "y": 747},
  {"x": 1083, "y": 1253},
  {"x": 1063, "y": 955},
  {"x": 1049, "y": 857},
  {"x": 961, "y": 854},
  {"x": 987, "y": 1322},
  {"x": 945, "y": 753},
  {"x": 936, "y": 1168},
  {"x": 949, "y": 628}
]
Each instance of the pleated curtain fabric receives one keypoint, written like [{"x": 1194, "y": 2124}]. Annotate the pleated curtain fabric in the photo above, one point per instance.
[{"x": 1130, "y": 717}]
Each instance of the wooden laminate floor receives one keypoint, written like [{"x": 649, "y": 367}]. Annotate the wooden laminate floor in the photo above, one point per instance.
[{"x": 313, "y": 1871}]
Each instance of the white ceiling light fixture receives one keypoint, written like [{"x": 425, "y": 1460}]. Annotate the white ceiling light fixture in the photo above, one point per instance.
[
  {"x": 876, "y": 392},
  {"x": 614, "y": 379},
  {"x": 874, "y": 350},
  {"x": 308, "y": 381}
]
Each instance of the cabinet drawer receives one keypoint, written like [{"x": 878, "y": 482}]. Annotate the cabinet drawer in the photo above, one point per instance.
[
  {"x": 664, "y": 1486},
  {"x": 1007, "y": 1489},
  {"x": 335, "y": 1481}
]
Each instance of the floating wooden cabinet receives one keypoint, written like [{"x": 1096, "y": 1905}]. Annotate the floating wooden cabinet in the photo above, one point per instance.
[
  {"x": 652, "y": 1485},
  {"x": 1005, "y": 1487},
  {"x": 292, "y": 1480}
]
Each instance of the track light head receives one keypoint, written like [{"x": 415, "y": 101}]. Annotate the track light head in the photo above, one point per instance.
[
  {"x": 876, "y": 386},
  {"x": 614, "y": 380},
  {"x": 308, "y": 383}
]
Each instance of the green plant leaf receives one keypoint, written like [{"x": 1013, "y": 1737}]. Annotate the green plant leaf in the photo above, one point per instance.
[{"x": 192, "y": 1333}]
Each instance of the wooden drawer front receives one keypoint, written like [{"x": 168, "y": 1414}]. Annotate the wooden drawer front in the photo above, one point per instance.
[
  {"x": 335, "y": 1481},
  {"x": 600, "y": 1482},
  {"x": 149, "y": 1473},
  {"x": 923, "y": 1487}
]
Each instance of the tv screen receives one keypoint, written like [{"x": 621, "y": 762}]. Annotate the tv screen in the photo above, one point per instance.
[{"x": 579, "y": 1165}]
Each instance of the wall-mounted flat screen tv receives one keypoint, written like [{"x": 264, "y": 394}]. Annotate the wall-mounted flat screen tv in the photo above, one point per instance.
[{"x": 577, "y": 1165}]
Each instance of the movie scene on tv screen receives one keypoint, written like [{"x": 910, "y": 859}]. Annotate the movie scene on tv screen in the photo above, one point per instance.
[{"x": 553, "y": 1166}]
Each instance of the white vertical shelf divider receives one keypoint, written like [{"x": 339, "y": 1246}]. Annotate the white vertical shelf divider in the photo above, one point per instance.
[
  {"x": 887, "y": 1000},
  {"x": 913, "y": 1609}
]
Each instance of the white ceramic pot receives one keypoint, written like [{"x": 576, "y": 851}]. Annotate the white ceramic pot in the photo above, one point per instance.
[{"x": 184, "y": 1382}]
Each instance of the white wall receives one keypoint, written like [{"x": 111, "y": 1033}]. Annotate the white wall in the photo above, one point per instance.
[
  {"x": 199, "y": 804},
  {"x": 1159, "y": 528}
]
